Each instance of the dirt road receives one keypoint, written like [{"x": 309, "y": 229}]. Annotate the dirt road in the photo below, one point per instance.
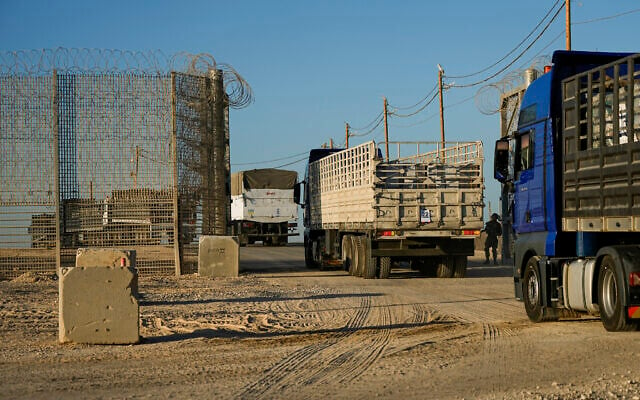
[{"x": 281, "y": 331}]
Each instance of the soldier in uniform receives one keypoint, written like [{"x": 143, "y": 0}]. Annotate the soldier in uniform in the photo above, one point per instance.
[{"x": 493, "y": 229}]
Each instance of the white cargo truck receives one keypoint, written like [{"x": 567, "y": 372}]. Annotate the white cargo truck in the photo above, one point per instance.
[
  {"x": 424, "y": 205},
  {"x": 263, "y": 207}
]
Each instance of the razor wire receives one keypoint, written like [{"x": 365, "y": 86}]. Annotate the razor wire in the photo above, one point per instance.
[{"x": 84, "y": 61}]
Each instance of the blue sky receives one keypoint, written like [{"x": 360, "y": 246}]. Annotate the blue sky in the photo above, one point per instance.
[{"x": 314, "y": 65}]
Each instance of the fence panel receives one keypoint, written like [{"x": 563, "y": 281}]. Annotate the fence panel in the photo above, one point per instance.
[
  {"x": 27, "y": 186},
  {"x": 112, "y": 149}
]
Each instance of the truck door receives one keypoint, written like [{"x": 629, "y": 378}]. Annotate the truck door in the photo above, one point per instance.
[{"x": 529, "y": 212}]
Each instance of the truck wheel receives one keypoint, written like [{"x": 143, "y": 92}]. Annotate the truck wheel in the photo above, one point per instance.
[
  {"x": 347, "y": 256},
  {"x": 460, "y": 266},
  {"x": 308, "y": 255},
  {"x": 384, "y": 267},
  {"x": 369, "y": 263},
  {"x": 446, "y": 267},
  {"x": 612, "y": 311},
  {"x": 243, "y": 238},
  {"x": 353, "y": 265},
  {"x": 358, "y": 255},
  {"x": 531, "y": 293}
]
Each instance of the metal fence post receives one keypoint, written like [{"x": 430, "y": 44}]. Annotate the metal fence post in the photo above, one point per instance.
[
  {"x": 174, "y": 159},
  {"x": 56, "y": 163}
]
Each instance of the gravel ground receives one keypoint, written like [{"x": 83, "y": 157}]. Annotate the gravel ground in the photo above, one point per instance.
[{"x": 282, "y": 331}]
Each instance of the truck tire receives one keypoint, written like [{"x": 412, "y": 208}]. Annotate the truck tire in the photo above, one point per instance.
[
  {"x": 347, "y": 256},
  {"x": 531, "y": 294},
  {"x": 243, "y": 238},
  {"x": 384, "y": 267},
  {"x": 460, "y": 263},
  {"x": 369, "y": 263},
  {"x": 353, "y": 265},
  {"x": 358, "y": 255},
  {"x": 610, "y": 292},
  {"x": 445, "y": 267},
  {"x": 309, "y": 261}
]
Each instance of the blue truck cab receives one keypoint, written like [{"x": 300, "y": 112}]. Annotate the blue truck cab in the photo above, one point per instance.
[{"x": 534, "y": 163}]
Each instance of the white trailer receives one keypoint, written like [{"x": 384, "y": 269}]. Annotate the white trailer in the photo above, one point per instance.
[
  {"x": 263, "y": 207},
  {"x": 365, "y": 210}
]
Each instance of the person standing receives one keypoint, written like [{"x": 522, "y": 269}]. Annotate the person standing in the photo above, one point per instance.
[{"x": 493, "y": 229}]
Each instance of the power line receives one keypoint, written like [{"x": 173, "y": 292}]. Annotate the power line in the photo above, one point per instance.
[
  {"x": 418, "y": 102},
  {"x": 291, "y": 163},
  {"x": 270, "y": 161},
  {"x": 393, "y": 113},
  {"x": 552, "y": 41},
  {"x": 368, "y": 125},
  {"x": 376, "y": 126},
  {"x": 607, "y": 17},
  {"x": 517, "y": 57},
  {"x": 430, "y": 117},
  {"x": 512, "y": 50}
]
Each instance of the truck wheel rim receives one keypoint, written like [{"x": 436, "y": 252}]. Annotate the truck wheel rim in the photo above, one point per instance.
[
  {"x": 609, "y": 293},
  {"x": 532, "y": 288}
]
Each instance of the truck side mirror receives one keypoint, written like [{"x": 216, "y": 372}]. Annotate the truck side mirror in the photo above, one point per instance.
[
  {"x": 501, "y": 161},
  {"x": 296, "y": 193}
]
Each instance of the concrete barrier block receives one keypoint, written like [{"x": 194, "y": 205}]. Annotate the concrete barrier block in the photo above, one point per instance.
[
  {"x": 105, "y": 257},
  {"x": 108, "y": 257},
  {"x": 97, "y": 305},
  {"x": 218, "y": 256}
]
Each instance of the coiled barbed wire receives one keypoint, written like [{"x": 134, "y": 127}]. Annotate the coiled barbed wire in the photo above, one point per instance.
[
  {"x": 488, "y": 98},
  {"x": 85, "y": 61}
]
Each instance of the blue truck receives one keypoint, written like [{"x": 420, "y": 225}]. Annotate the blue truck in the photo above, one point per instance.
[{"x": 572, "y": 174}]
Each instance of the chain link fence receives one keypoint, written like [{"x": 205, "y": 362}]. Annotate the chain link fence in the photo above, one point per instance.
[{"x": 112, "y": 149}]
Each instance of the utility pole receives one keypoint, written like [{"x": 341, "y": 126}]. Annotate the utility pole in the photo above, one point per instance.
[
  {"x": 386, "y": 128},
  {"x": 568, "y": 23},
  {"x": 440, "y": 73},
  {"x": 346, "y": 137}
]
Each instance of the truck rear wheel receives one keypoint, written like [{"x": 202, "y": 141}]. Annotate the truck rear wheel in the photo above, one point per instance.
[
  {"x": 445, "y": 267},
  {"x": 531, "y": 294},
  {"x": 353, "y": 265},
  {"x": 358, "y": 255},
  {"x": 460, "y": 263},
  {"x": 347, "y": 256},
  {"x": 309, "y": 259},
  {"x": 243, "y": 238},
  {"x": 369, "y": 263},
  {"x": 612, "y": 311},
  {"x": 384, "y": 267}
]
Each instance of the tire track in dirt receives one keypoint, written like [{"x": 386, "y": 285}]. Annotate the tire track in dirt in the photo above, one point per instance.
[
  {"x": 487, "y": 320},
  {"x": 338, "y": 359},
  {"x": 438, "y": 328},
  {"x": 358, "y": 352},
  {"x": 279, "y": 376},
  {"x": 501, "y": 346}
]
